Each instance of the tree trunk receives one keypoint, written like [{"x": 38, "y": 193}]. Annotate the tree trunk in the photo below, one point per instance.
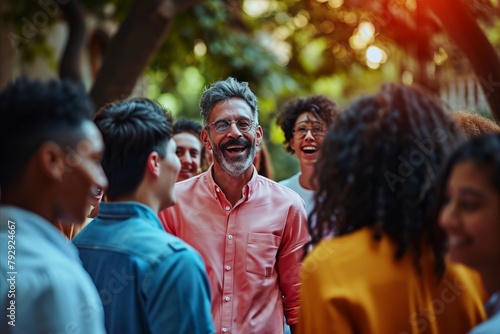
[
  {"x": 131, "y": 49},
  {"x": 471, "y": 40},
  {"x": 69, "y": 67}
]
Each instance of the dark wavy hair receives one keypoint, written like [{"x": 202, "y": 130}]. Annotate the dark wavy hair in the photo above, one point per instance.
[
  {"x": 33, "y": 112},
  {"x": 131, "y": 130},
  {"x": 224, "y": 90},
  {"x": 484, "y": 152},
  {"x": 320, "y": 106},
  {"x": 377, "y": 168},
  {"x": 187, "y": 125},
  {"x": 265, "y": 167}
]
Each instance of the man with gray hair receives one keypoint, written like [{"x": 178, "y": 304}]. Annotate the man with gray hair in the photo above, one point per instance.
[{"x": 249, "y": 230}]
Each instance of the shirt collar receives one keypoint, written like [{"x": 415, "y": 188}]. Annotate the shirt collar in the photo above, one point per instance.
[
  {"x": 125, "y": 210},
  {"x": 35, "y": 224},
  {"x": 247, "y": 190},
  {"x": 493, "y": 304}
]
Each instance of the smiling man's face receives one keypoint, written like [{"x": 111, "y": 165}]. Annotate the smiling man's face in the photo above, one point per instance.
[{"x": 234, "y": 150}]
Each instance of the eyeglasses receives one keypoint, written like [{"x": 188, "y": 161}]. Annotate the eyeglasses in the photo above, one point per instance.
[
  {"x": 316, "y": 130},
  {"x": 223, "y": 125}
]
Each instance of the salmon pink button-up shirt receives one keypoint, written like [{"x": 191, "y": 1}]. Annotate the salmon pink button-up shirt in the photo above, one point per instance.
[{"x": 252, "y": 250}]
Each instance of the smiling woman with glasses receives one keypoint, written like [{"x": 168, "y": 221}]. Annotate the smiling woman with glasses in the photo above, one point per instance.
[
  {"x": 222, "y": 126},
  {"x": 304, "y": 122}
]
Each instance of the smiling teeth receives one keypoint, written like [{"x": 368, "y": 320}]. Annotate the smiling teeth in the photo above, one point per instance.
[
  {"x": 95, "y": 190},
  {"x": 456, "y": 241},
  {"x": 309, "y": 148}
]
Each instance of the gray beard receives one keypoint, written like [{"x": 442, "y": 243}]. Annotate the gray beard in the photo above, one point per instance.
[{"x": 234, "y": 167}]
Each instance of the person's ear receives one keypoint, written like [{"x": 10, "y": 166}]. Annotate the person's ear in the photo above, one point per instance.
[
  {"x": 259, "y": 133},
  {"x": 292, "y": 143},
  {"x": 52, "y": 160},
  {"x": 153, "y": 164},
  {"x": 204, "y": 139}
]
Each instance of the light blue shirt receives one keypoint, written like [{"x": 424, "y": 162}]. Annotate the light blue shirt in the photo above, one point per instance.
[
  {"x": 307, "y": 195},
  {"x": 149, "y": 281},
  {"x": 44, "y": 288},
  {"x": 492, "y": 324}
]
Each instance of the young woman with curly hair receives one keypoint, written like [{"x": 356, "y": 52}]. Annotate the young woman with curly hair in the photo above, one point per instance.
[
  {"x": 304, "y": 122},
  {"x": 384, "y": 270}
]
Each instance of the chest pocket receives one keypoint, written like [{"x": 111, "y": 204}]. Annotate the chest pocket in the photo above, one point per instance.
[{"x": 261, "y": 253}]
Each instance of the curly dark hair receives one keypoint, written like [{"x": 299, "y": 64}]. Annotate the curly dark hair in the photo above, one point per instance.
[
  {"x": 377, "y": 168},
  {"x": 320, "y": 106}
]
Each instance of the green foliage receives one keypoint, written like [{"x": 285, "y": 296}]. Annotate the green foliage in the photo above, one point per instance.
[
  {"x": 231, "y": 50},
  {"x": 29, "y": 22},
  {"x": 287, "y": 49}
]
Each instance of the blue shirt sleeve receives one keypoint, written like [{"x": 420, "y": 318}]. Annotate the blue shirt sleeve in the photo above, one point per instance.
[{"x": 58, "y": 304}]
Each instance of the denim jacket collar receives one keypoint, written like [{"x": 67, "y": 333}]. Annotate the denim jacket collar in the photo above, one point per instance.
[{"x": 113, "y": 211}]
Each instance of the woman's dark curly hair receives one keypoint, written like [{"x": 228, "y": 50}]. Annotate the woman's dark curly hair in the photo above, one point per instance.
[
  {"x": 319, "y": 105},
  {"x": 377, "y": 168}
]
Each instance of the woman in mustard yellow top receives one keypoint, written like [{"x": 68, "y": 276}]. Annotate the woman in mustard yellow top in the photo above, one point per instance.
[{"x": 384, "y": 271}]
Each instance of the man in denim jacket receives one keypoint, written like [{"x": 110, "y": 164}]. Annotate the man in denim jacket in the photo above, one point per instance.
[{"x": 149, "y": 281}]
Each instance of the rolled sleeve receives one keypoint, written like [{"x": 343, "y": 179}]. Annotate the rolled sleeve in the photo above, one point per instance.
[{"x": 295, "y": 236}]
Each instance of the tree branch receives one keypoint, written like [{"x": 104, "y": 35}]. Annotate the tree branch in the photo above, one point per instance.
[
  {"x": 469, "y": 38},
  {"x": 131, "y": 49},
  {"x": 69, "y": 67}
]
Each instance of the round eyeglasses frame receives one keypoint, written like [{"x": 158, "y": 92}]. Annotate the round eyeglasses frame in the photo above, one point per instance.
[
  {"x": 222, "y": 126},
  {"x": 316, "y": 131}
]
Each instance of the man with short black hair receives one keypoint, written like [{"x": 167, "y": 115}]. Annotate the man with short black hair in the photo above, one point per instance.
[
  {"x": 149, "y": 281},
  {"x": 50, "y": 153}
]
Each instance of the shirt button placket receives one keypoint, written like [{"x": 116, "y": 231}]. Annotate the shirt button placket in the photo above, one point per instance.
[{"x": 228, "y": 275}]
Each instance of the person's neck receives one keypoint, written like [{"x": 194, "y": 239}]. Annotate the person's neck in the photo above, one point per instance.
[
  {"x": 231, "y": 186},
  {"x": 305, "y": 178},
  {"x": 31, "y": 201},
  {"x": 144, "y": 197}
]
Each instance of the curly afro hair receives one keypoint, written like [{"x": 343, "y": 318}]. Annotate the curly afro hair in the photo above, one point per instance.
[
  {"x": 320, "y": 106},
  {"x": 377, "y": 168}
]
